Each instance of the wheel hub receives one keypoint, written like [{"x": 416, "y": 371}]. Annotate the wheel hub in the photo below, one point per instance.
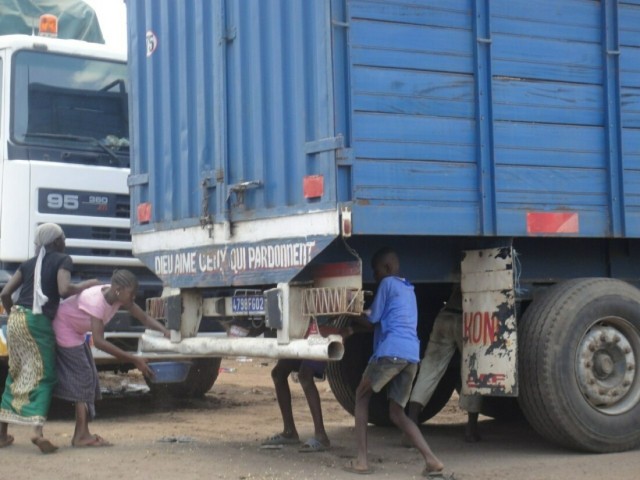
[
  {"x": 603, "y": 365},
  {"x": 606, "y": 364}
]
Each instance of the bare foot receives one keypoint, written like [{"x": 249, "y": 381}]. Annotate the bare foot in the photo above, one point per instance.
[
  {"x": 433, "y": 467},
  {"x": 352, "y": 466},
  {"x": 6, "y": 441},
  {"x": 44, "y": 445}
]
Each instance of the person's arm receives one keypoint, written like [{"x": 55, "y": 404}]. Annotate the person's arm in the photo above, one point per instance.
[
  {"x": 97, "y": 329},
  {"x": 376, "y": 311},
  {"x": 353, "y": 327},
  {"x": 329, "y": 330},
  {"x": 11, "y": 286},
  {"x": 66, "y": 288},
  {"x": 140, "y": 315}
]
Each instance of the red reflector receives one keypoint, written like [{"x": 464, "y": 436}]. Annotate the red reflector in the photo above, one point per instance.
[
  {"x": 313, "y": 186},
  {"x": 144, "y": 212},
  {"x": 552, "y": 222}
]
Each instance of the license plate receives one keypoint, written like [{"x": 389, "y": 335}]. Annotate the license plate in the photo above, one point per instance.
[{"x": 248, "y": 304}]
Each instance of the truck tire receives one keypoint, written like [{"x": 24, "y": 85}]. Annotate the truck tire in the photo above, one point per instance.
[
  {"x": 579, "y": 346},
  {"x": 202, "y": 375},
  {"x": 344, "y": 377}
]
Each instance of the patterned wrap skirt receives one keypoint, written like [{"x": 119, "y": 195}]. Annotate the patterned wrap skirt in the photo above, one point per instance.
[
  {"x": 77, "y": 376},
  {"x": 31, "y": 344}
]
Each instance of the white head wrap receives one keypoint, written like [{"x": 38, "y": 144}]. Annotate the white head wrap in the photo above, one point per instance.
[{"x": 46, "y": 234}]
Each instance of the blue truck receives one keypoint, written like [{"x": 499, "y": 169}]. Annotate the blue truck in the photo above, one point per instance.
[{"x": 277, "y": 144}]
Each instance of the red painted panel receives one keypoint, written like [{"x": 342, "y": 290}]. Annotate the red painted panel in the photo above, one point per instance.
[
  {"x": 552, "y": 222},
  {"x": 313, "y": 186},
  {"x": 144, "y": 212}
]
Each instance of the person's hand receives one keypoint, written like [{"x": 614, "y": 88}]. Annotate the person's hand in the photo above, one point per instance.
[
  {"x": 93, "y": 282},
  {"x": 141, "y": 364},
  {"x": 346, "y": 332}
]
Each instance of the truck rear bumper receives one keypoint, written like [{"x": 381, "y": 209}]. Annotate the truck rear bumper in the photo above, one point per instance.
[{"x": 315, "y": 347}]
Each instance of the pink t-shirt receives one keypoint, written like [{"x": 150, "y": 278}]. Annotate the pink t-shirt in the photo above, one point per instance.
[{"x": 73, "y": 319}]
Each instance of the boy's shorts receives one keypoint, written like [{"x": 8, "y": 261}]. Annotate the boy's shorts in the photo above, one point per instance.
[
  {"x": 317, "y": 367},
  {"x": 397, "y": 372}
]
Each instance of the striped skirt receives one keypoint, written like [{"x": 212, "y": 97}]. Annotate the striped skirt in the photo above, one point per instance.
[{"x": 31, "y": 344}]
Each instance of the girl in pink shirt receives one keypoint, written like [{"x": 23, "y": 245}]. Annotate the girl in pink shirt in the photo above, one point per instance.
[{"x": 90, "y": 311}]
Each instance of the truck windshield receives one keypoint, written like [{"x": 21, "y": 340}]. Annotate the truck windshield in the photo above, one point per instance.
[{"x": 74, "y": 105}]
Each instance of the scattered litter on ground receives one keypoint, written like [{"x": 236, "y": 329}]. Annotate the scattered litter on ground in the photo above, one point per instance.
[
  {"x": 177, "y": 439},
  {"x": 129, "y": 388}
]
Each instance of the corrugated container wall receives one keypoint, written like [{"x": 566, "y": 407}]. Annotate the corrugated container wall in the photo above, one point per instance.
[
  {"x": 481, "y": 117},
  {"x": 464, "y": 117},
  {"x": 232, "y": 106}
]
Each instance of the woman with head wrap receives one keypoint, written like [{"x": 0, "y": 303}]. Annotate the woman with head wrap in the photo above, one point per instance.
[{"x": 42, "y": 281}]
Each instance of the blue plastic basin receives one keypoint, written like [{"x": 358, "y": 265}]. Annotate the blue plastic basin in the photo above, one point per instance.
[{"x": 169, "y": 372}]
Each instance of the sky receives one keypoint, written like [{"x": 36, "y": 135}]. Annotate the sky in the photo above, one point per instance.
[{"x": 112, "y": 15}]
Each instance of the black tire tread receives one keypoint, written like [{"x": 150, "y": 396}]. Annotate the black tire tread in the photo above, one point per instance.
[{"x": 541, "y": 323}]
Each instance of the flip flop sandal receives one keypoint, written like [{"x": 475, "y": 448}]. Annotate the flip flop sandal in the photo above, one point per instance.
[
  {"x": 438, "y": 475},
  {"x": 96, "y": 441},
  {"x": 313, "y": 445},
  {"x": 280, "y": 439}
]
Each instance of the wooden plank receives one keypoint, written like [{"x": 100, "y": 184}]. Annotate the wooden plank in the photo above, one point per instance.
[
  {"x": 390, "y": 150},
  {"x": 547, "y": 102},
  {"x": 399, "y": 182},
  {"x": 452, "y": 14},
  {"x": 630, "y": 106},
  {"x": 569, "y": 20},
  {"x": 557, "y": 145},
  {"x": 410, "y": 46},
  {"x": 546, "y": 59},
  {"x": 630, "y": 66},
  {"x": 409, "y": 129},
  {"x": 631, "y": 148},
  {"x": 579, "y": 183},
  {"x": 412, "y": 92},
  {"x": 449, "y": 219},
  {"x": 629, "y": 23}
]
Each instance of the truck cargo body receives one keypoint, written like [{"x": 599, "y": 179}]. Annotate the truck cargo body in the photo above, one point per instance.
[{"x": 278, "y": 144}]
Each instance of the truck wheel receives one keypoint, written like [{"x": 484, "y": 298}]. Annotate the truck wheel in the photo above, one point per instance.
[
  {"x": 344, "y": 377},
  {"x": 201, "y": 377},
  {"x": 579, "y": 350}
]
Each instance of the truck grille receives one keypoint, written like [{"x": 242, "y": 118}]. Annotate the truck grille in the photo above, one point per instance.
[
  {"x": 97, "y": 233},
  {"x": 123, "y": 207}
]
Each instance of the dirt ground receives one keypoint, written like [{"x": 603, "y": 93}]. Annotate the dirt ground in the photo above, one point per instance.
[{"x": 218, "y": 437}]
